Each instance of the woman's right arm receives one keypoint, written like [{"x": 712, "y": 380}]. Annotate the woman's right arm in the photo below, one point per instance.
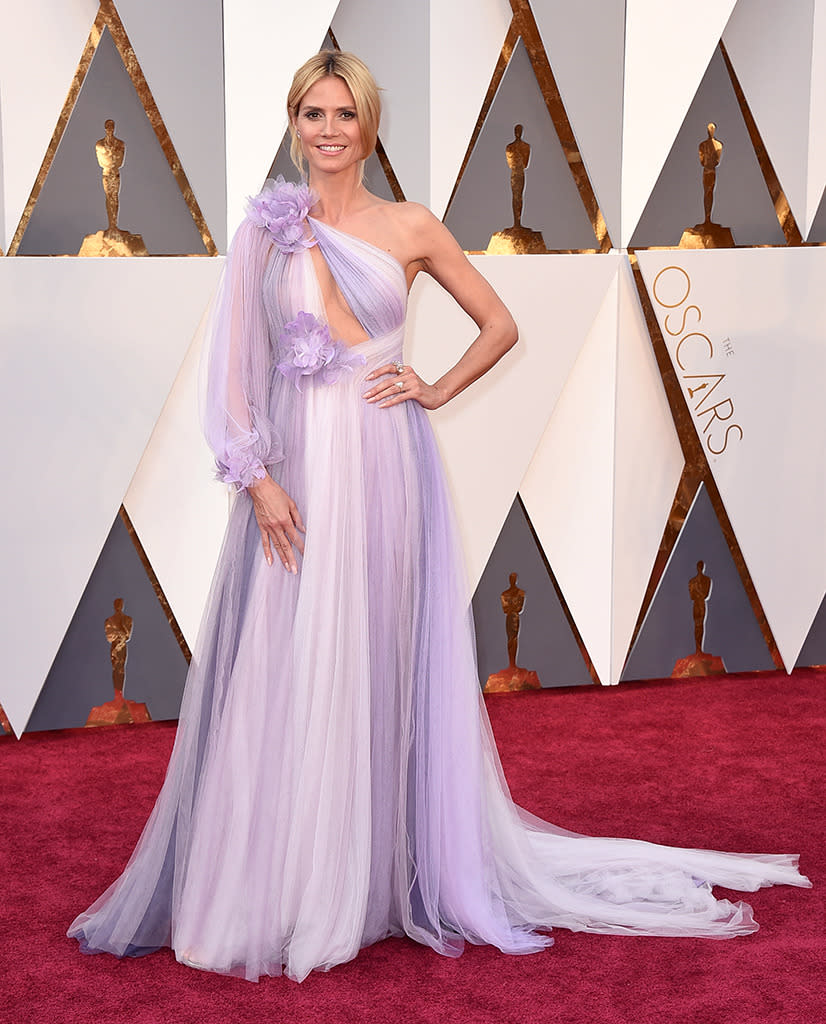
[{"x": 235, "y": 413}]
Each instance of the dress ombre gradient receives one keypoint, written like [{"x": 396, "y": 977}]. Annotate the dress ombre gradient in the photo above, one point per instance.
[{"x": 334, "y": 779}]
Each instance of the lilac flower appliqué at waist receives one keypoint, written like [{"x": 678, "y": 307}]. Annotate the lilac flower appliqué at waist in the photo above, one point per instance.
[
  {"x": 312, "y": 352},
  {"x": 281, "y": 208}
]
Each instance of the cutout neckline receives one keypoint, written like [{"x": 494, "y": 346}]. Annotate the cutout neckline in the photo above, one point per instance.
[{"x": 313, "y": 221}]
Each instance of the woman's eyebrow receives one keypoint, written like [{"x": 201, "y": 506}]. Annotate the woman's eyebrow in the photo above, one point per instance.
[{"x": 338, "y": 109}]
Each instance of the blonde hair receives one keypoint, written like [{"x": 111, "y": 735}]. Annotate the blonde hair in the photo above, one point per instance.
[{"x": 357, "y": 77}]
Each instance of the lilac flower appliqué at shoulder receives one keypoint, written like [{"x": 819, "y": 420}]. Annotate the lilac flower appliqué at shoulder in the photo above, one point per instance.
[
  {"x": 312, "y": 352},
  {"x": 281, "y": 207}
]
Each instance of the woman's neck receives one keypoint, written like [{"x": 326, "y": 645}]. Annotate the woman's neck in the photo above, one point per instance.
[{"x": 338, "y": 195}]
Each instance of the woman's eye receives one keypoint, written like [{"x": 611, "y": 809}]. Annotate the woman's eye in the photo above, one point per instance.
[{"x": 348, "y": 115}]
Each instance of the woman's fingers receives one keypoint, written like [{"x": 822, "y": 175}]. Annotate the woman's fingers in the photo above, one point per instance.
[
  {"x": 295, "y": 537},
  {"x": 265, "y": 541},
  {"x": 299, "y": 522},
  {"x": 285, "y": 550},
  {"x": 382, "y": 370},
  {"x": 401, "y": 386},
  {"x": 389, "y": 368}
]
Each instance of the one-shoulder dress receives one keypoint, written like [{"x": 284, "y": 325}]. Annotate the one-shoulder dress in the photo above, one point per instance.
[{"x": 334, "y": 778}]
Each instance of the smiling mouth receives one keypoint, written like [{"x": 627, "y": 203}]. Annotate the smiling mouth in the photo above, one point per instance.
[{"x": 331, "y": 149}]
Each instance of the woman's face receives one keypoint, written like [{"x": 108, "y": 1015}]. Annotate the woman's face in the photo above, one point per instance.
[{"x": 328, "y": 123}]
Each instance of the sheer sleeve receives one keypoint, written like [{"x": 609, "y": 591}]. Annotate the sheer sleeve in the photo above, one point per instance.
[{"x": 238, "y": 365}]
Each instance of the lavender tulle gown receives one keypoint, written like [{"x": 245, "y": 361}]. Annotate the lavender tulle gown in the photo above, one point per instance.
[{"x": 334, "y": 778}]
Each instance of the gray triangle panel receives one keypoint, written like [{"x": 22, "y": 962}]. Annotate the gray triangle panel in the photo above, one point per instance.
[
  {"x": 81, "y": 674},
  {"x": 552, "y": 204},
  {"x": 813, "y": 651},
  {"x": 741, "y": 197},
  {"x": 731, "y": 630},
  {"x": 546, "y": 643},
  {"x": 72, "y": 202}
]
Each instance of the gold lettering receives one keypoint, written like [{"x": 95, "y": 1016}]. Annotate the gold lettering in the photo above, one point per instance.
[
  {"x": 681, "y": 328},
  {"x": 706, "y": 378},
  {"x": 713, "y": 413},
  {"x": 682, "y": 341},
  {"x": 672, "y": 305},
  {"x": 719, "y": 451}
]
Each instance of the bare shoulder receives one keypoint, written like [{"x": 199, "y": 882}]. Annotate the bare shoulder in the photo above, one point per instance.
[
  {"x": 416, "y": 219},
  {"x": 422, "y": 237}
]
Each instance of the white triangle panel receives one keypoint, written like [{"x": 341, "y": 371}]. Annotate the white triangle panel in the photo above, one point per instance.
[
  {"x": 667, "y": 50},
  {"x": 40, "y": 46},
  {"x": 264, "y": 45},
  {"x": 816, "y": 175},
  {"x": 568, "y": 488},
  {"x": 180, "y": 50},
  {"x": 749, "y": 328},
  {"x": 393, "y": 40},
  {"x": 761, "y": 36},
  {"x": 83, "y": 379},
  {"x": 475, "y": 29},
  {"x": 489, "y": 432},
  {"x": 176, "y": 506},
  {"x": 585, "y": 47},
  {"x": 648, "y": 463}
]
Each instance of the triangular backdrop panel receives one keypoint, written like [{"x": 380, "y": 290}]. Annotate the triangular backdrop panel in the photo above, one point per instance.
[
  {"x": 393, "y": 40},
  {"x": 755, "y": 376},
  {"x": 256, "y": 84},
  {"x": 602, "y": 481},
  {"x": 817, "y": 232},
  {"x": 667, "y": 49},
  {"x": 488, "y": 433},
  {"x": 176, "y": 506},
  {"x": 780, "y": 102},
  {"x": 584, "y": 43},
  {"x": 813, "y": 651},
  {"x": 568, "y": 489},
  {"x": 40, "y": 46},
  {"x": 81, "y": 674},
  {"x": 816, "y": 182},
  {"x": 552, "y": 204},
  {"x": 474, "y": 29},
  {"x": 731, "y": 630},
  {"x": 112, "y": 337},
  {"x": 72, "y": 203},
  {"x": 180, "y": 49},
  {"x": 546, "y": 642},
  {"x": 741, "y": 198},
  {"x": 648, "y": 463}
]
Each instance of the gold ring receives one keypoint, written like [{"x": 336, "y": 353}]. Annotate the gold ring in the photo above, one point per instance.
[{"x": 400, "y": 385}]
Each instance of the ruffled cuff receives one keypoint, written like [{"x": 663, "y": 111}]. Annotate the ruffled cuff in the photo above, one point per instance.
[{"x": 240, "y": 470}]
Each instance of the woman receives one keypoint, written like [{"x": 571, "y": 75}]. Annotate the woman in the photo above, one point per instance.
[{"x": 334, "y": 779}]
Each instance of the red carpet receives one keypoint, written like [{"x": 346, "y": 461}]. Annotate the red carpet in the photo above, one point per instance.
[{"x": 735, "y": 764}]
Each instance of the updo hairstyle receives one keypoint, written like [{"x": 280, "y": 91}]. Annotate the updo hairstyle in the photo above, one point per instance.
[{"x": 356, "y": 76}]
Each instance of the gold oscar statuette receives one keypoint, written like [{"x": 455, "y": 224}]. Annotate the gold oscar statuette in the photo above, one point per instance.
[
  {"x": 120, "y": 711},
  {"x": 512, "y": 677},
  {"x": 111, "y": 153},
  {"x": 708, "y": 235},
  {"x": 699, "y": 663},
  {"x": 517, "y": 239}
]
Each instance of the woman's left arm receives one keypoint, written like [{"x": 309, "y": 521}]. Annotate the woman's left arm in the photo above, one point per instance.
[{"x": 438, "y": 253}]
